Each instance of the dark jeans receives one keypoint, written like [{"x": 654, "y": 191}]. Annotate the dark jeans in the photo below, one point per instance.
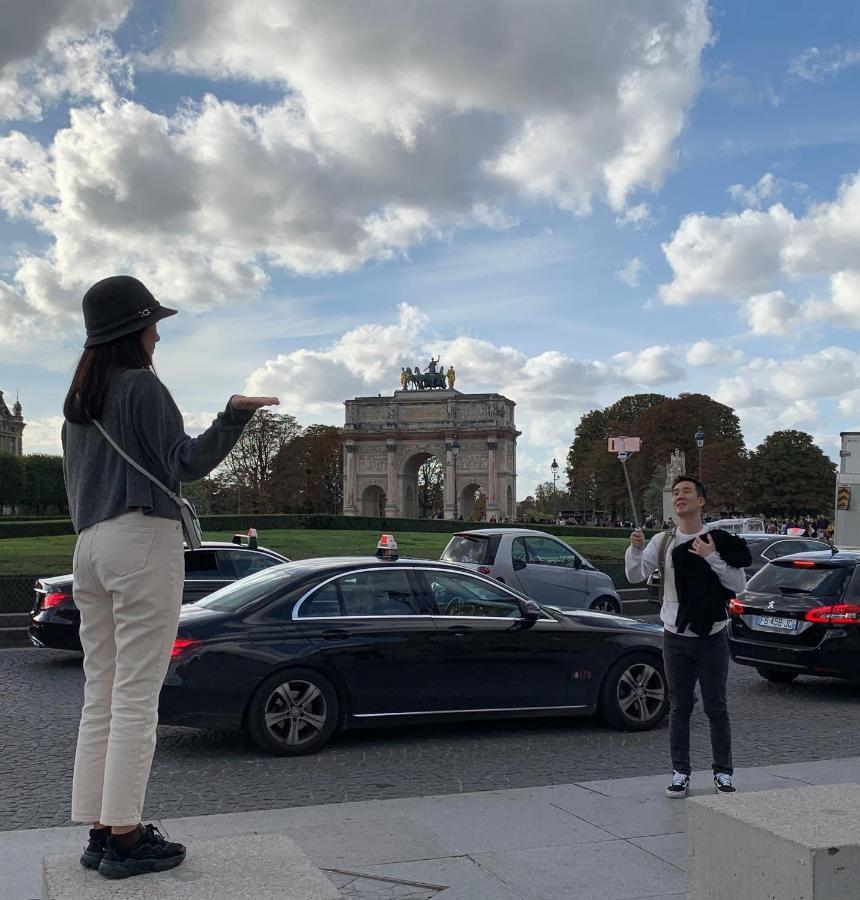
[{"x": 706, "y": 660}]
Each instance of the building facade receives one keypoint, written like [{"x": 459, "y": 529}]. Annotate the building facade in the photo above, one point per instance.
[
  {"x": 11, "y": 428},
  {"x": 387, "y": 439}
]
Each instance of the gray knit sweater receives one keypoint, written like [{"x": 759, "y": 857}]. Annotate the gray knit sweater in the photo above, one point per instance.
[{"x": 141, "y": 416}]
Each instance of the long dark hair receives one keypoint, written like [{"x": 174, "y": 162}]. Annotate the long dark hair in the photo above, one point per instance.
[{"x": 96, "y": 369}]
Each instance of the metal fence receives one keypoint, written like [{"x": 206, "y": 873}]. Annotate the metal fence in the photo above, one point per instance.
[{"x": 16, "y": 593}]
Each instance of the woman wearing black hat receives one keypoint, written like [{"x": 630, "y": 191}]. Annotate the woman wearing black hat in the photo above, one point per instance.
[{"x": 129, "y": 562}]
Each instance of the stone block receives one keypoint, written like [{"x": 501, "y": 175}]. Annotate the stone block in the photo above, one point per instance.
[
  {"x": 796, "y": 844},
  {"x": 254, "y": 867}
]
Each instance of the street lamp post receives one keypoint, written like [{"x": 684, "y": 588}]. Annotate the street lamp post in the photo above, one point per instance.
[
  {"x": 554, "y": 468},
  {"x": 455, "y": 449},
  {"x": 700, "y": 442}
]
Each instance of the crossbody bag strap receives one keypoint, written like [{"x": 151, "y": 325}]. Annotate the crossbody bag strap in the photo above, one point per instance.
[
  {"x": 172, "y": 494},
  {"x": 668, "y": 537}
]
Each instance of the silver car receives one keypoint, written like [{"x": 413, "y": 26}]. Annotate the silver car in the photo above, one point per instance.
[{"x": 540, "y": 565}]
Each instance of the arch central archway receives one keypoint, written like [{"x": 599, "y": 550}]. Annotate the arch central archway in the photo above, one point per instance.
[{"x": 423, "y": 480}]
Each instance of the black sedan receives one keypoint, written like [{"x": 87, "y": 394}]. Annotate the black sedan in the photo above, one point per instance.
[
  {"x": 800, "y": 615},
  {"x": 764, "y": 548},
  {"x": 55, "y": 620},
  {"x": 299, "y": 651}
]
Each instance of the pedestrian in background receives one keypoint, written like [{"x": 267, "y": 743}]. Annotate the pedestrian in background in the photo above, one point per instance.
[
  {"x": 700, "y": 570},
  {"x": 128, "y": 564}
]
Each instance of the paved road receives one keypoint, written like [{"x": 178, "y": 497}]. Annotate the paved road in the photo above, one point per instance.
[{"x": 198, "y": 773}]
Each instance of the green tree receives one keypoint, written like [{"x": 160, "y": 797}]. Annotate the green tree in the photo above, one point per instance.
[
  {"x": 595, "y": 478},
  {"x": 652, "y": 496},
  {"x": 672, "y": 425},
  {"x": 431, "y": 487},
  {"x": 791, "y": 476},
  {"x": 44, "y": 485},
  {"x": 11, "y": 480},
  {"x": 247, "y": 472},
  {"x": 307, "y": 474}
]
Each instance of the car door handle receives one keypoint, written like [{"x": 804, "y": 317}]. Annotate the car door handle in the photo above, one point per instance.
[
  {"x": 459, "y": 630},
  {"x": 335, "y": 634}
]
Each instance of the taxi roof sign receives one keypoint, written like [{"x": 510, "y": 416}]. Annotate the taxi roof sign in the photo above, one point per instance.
[{"x": 387, "y": 547}]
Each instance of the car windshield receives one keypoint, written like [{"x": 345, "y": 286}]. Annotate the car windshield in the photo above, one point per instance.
[
  {"x": 237, "y": 594},
  {"x": 827, "y": 582},
  {"x": 466, "y": 548}
]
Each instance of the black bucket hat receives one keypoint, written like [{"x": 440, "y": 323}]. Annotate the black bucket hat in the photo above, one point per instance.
[{"x": 117, "y": 306}]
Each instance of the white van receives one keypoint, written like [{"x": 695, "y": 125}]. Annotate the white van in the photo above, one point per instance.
[{"x": 739, "y": 526}]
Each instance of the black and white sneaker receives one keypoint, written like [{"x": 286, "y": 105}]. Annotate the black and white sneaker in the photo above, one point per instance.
[
  {"x": 95, "y": 849},
  {"x": 679, "y": 786},
  {"x": 723, "y": 783},
  {"x": 152, "y": 853}
]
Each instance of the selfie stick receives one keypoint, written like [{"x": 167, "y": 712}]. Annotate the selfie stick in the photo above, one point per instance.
[{"x": 622, "y": 458}]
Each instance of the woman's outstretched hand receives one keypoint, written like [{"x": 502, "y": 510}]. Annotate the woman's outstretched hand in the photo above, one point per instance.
[{"x": 251, "y": 404}]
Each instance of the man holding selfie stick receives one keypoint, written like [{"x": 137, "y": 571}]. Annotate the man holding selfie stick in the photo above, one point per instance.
[{"x": 700, "y": 571}]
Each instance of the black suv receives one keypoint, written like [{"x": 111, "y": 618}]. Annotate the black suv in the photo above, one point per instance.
[
  {"x": 55, "y": 620},
  {"x": 800, "y": 615}
]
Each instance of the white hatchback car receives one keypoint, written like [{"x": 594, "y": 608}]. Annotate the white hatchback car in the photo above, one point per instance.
[{"x": 540, "y": 565}]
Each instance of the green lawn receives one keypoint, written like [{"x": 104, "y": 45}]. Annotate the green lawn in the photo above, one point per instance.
[{"x": 53, "y": 555}]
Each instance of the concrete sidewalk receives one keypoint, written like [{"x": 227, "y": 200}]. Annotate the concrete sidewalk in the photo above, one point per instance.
[{"x": 619, "y": 838}]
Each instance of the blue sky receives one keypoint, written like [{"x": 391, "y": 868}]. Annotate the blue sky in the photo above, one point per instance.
[{"x": 568, "y": 202}]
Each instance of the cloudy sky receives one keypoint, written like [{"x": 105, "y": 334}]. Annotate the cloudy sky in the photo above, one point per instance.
[{"x": 568, "y": 200}]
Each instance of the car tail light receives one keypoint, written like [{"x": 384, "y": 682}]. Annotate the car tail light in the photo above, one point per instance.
[
  {"x": 736, "y": 607},
  {"x": 837, "y": 614},
  {"x": 182, "y": 646},
  {"x": 485, "y": 570},
  {"x": 804, "y": 563},
  {"x": 54, "y": 598}
]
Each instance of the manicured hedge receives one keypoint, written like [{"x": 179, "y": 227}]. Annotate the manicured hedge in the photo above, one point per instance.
[
  {"x": 319, "y": 521},
  {"x": 41, "y": 528}
]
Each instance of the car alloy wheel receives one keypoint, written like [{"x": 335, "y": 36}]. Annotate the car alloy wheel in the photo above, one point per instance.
[
  {"x": 641, "y": 692},
  {"x": 606, "y": 604},
  {"x": 633, "y": 696},
  {"x": 293, "y": 713}
]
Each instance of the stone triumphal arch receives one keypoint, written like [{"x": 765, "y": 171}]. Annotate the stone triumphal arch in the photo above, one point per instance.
[{"x": 386, "y": 440}]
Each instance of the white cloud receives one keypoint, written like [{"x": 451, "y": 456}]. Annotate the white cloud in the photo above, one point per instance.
[
  {"x": 42, "y": 435},
  {"x": 594, "y": 96},
  {"x": 59, "y": 48},
  {"x": 817, "y": 64},
  {"x": 771, "y": 314},
  {"x": 706, "y": 353},
  {"x": 393, "y": 131},
  {"x": 637, "y": 216},
  {"x": 739, "y": 255},
  {"x": 766, "y": 187},
  {"x": 630, "y": 273},
  {"x": 653, "y": 365}
]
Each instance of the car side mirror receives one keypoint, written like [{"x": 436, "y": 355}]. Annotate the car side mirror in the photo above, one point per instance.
[
  {"x": 531, "y": 611},
  {"x": 519, "y": 565}
]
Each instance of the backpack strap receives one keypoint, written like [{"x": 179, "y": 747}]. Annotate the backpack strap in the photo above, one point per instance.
[{"x": 668, "y": 538}]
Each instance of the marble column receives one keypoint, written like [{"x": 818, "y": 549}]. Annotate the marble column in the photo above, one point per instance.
[
  {"x": 492, "y": 481},
  {"x": 392, "y": 501},
  {"x": 350, "y": 506},
  {"x": 450, "y": 480}
]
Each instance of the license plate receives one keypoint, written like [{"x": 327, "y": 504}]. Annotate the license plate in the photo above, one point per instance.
[{"x": 776, "y": 622}]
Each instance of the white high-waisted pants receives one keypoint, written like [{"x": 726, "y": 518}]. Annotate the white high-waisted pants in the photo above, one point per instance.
[{"x": 128, "y": 579}]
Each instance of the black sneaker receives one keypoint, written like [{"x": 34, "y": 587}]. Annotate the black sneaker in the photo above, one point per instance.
[
  {"x": 679, "y": 786},
  {"x": 95, "y": 849},
  {"x": 723, "y": 783},
  {"x": 152, "y": 853}
]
